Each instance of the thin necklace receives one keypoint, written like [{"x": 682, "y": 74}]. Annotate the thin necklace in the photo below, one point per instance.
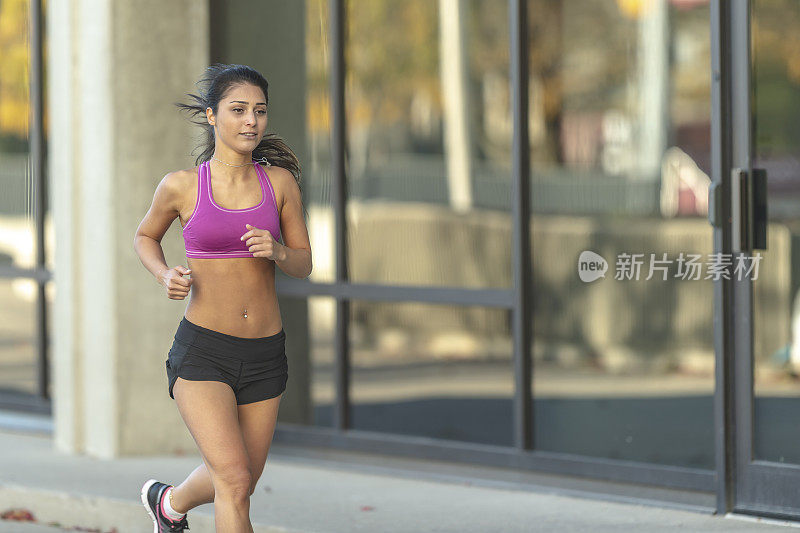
[{"x": 262, "y": 160}]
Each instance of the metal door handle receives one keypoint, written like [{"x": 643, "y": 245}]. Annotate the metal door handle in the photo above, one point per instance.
[
  {"x": 759, "y": 210},
  {"x": 748, "y": 209}
]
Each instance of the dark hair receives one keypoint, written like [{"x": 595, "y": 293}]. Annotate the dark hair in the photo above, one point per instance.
[{"x": 216, "y": 81}]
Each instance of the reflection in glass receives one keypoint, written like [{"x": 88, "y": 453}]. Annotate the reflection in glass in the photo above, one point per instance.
[
  {"x": 17, "y": 242},
  {"x": 776, "y": 298},
  {"x": 322, "y": 358},
  {"x": 317, "y": 173},
  {"x": 428, "y": 370},
  {"x": 18, "y": 356},
  {"x": 18, "y": 368},
  {"x": 429, "y": 141},
  {"x": 620, "y": 157}
]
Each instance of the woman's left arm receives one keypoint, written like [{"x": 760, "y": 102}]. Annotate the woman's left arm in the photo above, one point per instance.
[{"x": 294, "y": 255}]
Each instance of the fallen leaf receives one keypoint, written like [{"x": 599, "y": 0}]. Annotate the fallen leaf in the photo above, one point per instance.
[{"x": 18, "y": 515}]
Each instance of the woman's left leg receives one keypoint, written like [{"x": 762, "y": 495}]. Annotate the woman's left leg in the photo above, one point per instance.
[{"x": 257, "y": 421}]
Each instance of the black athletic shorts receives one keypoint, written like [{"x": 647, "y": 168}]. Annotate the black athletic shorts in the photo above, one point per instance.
[{"x": 255, "y": 368}]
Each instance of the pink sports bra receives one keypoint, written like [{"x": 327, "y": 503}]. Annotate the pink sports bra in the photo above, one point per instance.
[{"x": 213, "y": 231}]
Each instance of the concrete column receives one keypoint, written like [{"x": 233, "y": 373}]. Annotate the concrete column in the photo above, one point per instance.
[
  {"x": 64, "y": 347},
  {"x": 115, "y": 69}
]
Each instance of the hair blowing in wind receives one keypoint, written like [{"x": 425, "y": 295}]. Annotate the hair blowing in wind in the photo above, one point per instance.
[{"x": 212, "y": 86}]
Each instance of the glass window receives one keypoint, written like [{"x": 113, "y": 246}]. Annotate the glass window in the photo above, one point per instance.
[
  {"x": 775, "y": 119},
  {"x": 312, "y": 360},
  {"x": 620, "y": 150},
  {"x": 18, "y": 195},
  {"x": 432, "y": 370},
  {"x": 429, "y": 141},
  {"x": 18, "y": 357}
]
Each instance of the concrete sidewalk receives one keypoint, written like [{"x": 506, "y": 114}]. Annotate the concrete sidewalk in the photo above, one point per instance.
[{"x": 307, "y": 490}]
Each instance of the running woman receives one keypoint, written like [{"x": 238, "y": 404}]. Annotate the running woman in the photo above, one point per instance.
[{"x": 227, "y": 367}]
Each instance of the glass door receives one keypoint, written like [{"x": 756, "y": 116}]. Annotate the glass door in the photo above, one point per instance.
[{"x": 765, "y": 232}]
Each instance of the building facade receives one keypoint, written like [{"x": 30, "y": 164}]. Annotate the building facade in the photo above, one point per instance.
[{"x": 553, "y": 236}]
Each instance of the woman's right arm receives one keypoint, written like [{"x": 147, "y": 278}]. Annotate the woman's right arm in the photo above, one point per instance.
[{"x": 147, "y": 241}]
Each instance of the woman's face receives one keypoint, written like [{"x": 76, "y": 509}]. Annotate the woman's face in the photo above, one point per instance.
[{"x": 242, "y": 110}]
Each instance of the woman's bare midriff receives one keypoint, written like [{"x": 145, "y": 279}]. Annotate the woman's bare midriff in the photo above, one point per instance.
[{"x": 223, "y": 290}]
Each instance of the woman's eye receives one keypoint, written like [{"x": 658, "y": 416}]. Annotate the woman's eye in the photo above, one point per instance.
[{"x": 237, "y": 109}]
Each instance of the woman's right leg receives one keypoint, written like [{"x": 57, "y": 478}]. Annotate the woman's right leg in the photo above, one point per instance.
[{"x": 209, "y": 410}]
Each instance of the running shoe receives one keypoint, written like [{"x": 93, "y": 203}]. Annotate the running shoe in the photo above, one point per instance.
[{"x": 152, "y": 492}]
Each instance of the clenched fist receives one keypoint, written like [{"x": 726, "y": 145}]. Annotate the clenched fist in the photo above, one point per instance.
[
  {"x": 176, "y": 285},
  {"x": 261, "y": 243}
]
